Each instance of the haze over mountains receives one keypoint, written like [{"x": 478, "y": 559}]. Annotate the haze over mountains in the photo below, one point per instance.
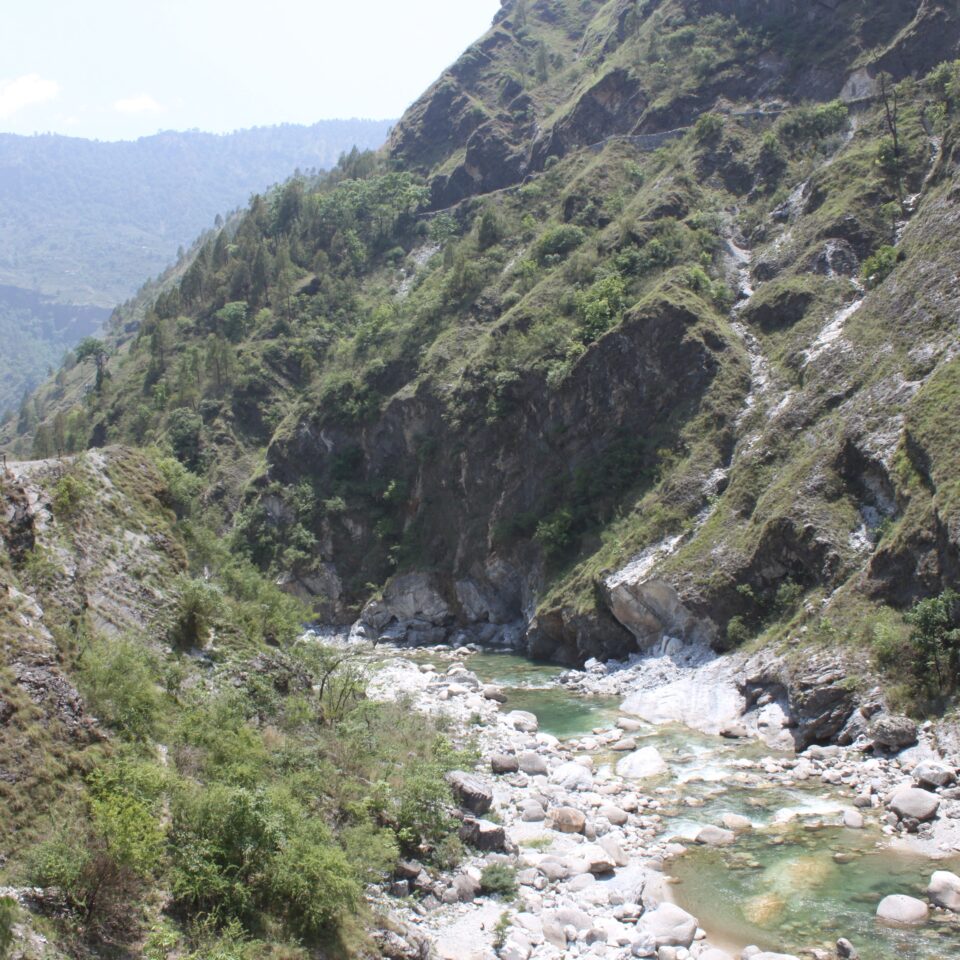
[{"x": 83, "y": 222}]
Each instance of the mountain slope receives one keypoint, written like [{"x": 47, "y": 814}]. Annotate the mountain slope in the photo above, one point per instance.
[
  {"x": 639, "y": 335},
  {"x": 83, "y": 222},
  {"x": 621, "y": 338}
]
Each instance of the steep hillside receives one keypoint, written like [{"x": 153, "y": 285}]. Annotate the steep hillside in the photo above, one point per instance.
[
  {"x": 641, "y": 327},
  {"x": 83, "y": 222},
  {"x": 37, "y": 332},
  {"x": 166, "y": 745}
]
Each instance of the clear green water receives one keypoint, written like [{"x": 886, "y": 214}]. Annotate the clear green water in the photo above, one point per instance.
[
  {"x": 529, "y": 685},
  {"x": 779, "y": 887},
  {"x": 784, "y": 890}
]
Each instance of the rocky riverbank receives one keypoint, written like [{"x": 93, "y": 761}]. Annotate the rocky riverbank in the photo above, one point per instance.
[{"x": 587, "y": 828}]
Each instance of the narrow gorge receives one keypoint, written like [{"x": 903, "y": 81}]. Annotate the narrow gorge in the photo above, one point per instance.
[{"x": 538, "y": 538}]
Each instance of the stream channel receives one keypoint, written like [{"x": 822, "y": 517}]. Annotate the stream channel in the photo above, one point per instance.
[{"x": 796, "y": 881}]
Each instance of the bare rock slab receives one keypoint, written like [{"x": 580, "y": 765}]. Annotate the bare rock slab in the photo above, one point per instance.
[
  {"x": 944, "y": 890},
  {"x": 915, "y": 804},
  {"x": 901, "y": 909}
]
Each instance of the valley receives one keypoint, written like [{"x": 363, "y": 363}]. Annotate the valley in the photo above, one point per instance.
[{"x": 538, "y": 537}]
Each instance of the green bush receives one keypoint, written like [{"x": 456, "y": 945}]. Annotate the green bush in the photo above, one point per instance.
[
  {"x": 237, "y": 851},
  {"x": 198, "y": 605},
  {"x": 935, "y": 639},
  {"x": 738, "y": 632},
  {"x": 556, "y": 533},
  {"x": 70, "y": 494},
  {"x": 311, "y": 882},
  {"x": 183, "y": 431},
  {"x": 8, "y": 915},
  {"x": 805, "y": 124},
  {"x": 879, "y": 266},
  {"x": 709, "y": 126},
  {"x": 101, "y": 858},
  {"x": 601, "y": 306},
  {"x": 118, "y": 678},
  {"x": 559, "y": 241},
  {"x": 499, "y": 879},
  {"x": 183, "y": 488}
]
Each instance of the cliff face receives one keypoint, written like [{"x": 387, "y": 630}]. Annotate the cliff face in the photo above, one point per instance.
[
  {"x": 789, "y": 477},
  {"x": 468, "y": 484},
  {"x": 480, "y": 129}
]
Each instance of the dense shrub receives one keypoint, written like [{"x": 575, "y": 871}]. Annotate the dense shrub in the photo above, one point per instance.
[
  {"x": 559, "y": 241},
  {"x": 198, "y": 606},
  {"x": 118, "y": 678},
  {"x": 102, "y": 857},
  {"x": 500, "y": 880},
  {"x": 812, "y": 123},
  {"x": 935, "y": 639},
  {"x": 600, "y": 306},
  {"x": 879, "y": 266},
  {"x": 183, "y": 432},
  {"x": 8, "y": 914},
  {"x": 70, "y": 494}
]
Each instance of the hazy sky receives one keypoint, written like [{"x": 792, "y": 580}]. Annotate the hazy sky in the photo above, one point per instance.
[{"x": 119, "y": 69}]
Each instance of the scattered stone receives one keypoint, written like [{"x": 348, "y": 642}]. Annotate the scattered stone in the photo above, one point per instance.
[
  {"x": 903, "y": 910},
  {"x": 408, "y": 869},
  {"x": 944, "y": 890},
  {"x": 670, "y": 926},
  {"x": 736, "y": 823},
  {"x": 853, "y": 819},
  {"x": 504, "y": 763},
  {"x": 567, "y": 820},
  {"x": 614, "y": 850},
  {"x": 712, "y": 836},
  {"x": 482, "y": 834},
  {"x": 491, "y": 692},
  {"x": 597, "y": 859},
  {"x": 572, "y": 776},
  {"x": 932, "y": 774},
  {"x": 532, "y": 812},
  {"x": 915, "y": 804},
  {"x": 533, "y": 764},
  {"x": 734, "y": 731},
  {"x": 644, "y": 946},
  {"x": 471, "y": 792},
  {"x": 627, "y": 743},
  {"x": 615, "y": 815},
  {"x": 893, "y": 733},
  {"x": 523, "y": 721},
  {"x": 846, "y": 950},
  {"x": 641, "y": 764}
]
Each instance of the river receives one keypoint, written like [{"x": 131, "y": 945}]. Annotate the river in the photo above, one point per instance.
[{"x": 795, "y": 881}]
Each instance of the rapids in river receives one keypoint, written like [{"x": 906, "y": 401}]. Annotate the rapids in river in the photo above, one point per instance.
[{"x": 796, "y": 881}]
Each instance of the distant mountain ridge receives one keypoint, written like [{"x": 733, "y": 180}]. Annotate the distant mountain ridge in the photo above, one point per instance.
[{"x": 84, "y": 221}]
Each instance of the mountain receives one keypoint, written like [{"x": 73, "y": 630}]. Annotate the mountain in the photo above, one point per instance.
[
  {"x": 638, "y": 335},
  {"x": 37, "y": 332},
  {"x": 652, "y": 262},
  {"x": 83, "y": 222}
]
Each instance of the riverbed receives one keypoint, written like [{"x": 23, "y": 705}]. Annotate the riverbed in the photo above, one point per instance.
[{"x": 796, "y": 879}]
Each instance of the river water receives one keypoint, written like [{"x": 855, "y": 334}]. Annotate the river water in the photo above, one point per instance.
[{"x": 796, "y": 881}]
